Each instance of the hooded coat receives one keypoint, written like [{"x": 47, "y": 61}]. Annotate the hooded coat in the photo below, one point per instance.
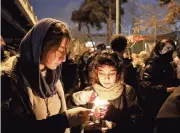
[
  {"x": 158, "y": 75},
  {"x": 30, "y": 102},
  {"x": 168, "y": 118}
]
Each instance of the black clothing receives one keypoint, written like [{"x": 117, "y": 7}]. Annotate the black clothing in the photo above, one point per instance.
[
  {"x": 84, "y": 67},
  {"x": 17, "y": 115},
  {"x": 168, "y": 119},
  {"x": 158, "y": 76},
  {"x": 69, "y": 75},
  {"x": 132, "y": 78}
]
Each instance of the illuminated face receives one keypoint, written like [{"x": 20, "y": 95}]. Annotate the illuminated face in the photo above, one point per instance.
[
  {"x": 168, "y": 47},
  {"x": 58, "y": 56},
  {"x": 107, "y": 76}
]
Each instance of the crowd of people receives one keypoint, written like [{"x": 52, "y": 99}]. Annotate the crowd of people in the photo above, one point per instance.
[{"x": 44, "y": 90}]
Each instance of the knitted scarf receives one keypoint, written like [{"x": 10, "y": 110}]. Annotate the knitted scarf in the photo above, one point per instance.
[{"x": 108, "y": 94}]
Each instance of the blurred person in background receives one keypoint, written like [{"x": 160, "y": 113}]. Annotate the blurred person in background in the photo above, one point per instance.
[
  {"x": 82, "y": 71},
  {"x": 168, "y": 118},
  {"x": 142, "y": 58},
  {"x": 86, "y": 64},
  {"x": 100, "y": 46},
  {"x": 159, "y": 80},
  {"x": 119, "y": 45},
  {"x": 69, "y": 67},
  {"x": 134, "y": 56}
]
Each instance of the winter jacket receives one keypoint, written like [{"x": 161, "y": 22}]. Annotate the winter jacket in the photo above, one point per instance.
[{"x": 18, "y": 116}]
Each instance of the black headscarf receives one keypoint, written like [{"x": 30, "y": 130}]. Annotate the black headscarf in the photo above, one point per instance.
[
  {"x": 162, "y": 58},
  {"x": 29, "y": 60}
]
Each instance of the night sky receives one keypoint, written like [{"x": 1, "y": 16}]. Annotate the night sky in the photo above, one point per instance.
[
  {"x": 62, "y": 10},
  {"x": 58, "y": 9}
]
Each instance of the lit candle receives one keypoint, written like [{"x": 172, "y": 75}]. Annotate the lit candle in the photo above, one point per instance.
[{"x": 98, "y": 103}]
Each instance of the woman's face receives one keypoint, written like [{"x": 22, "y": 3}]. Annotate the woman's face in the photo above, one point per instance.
[
  {"x": 56, "y": 57},
  {"x": 168, "y": 47},
  {"x": 107, "y": 76}
]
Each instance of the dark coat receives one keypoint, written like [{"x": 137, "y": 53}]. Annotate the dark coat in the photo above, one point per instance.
[
  {"x": 168, "y": 119},
  {"x": 158, "y": 76},
  {"x": 17, "y": 115},
  {"x": 132, "y": 78},
  {"x": 69, "y": 75}
]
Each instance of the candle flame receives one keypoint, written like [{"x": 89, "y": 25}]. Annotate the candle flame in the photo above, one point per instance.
[{"x": 99, "y": 102}]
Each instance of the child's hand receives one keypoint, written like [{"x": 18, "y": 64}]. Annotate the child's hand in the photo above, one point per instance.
[
  {"x": 103, "y": 110},
  {"x": 86, "y": 96},
  {"x": 92, "y": 97},
  {"x": 99, "y": 111}
]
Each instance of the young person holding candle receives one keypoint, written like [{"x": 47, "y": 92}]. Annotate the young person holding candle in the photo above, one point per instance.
[{"x": 107, "y": 84}]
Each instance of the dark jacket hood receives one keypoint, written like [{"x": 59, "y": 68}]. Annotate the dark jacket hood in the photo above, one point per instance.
[{"x": 29, "y": 57}]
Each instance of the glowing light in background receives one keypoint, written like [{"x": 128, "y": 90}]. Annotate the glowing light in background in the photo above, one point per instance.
[{"x": 89, "y": 44}]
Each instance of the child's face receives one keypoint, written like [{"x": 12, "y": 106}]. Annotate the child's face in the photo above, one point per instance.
[{"x": 107, "y": 76}]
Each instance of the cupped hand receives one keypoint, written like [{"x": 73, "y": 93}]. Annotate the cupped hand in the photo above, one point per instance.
[{"x": 78, "y": 116}]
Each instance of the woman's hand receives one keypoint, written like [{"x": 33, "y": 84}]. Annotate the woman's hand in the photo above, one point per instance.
[
  {"x": 171, "y": 89},
  {"x": 78, "y": 116}
]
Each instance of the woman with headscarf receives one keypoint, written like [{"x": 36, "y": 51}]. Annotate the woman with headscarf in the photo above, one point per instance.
[
  {"x": 159, "y": 80},
  {"x": 32, "y": 94},
  {"x": 168, "y": 118}
]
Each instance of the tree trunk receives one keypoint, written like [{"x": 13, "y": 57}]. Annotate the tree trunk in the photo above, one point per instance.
[
  {"x": 89, "y": 35},
  {"x": 88, "y": 29},
  {"x": 109, "y": 24},
  {"x": 110, "y": 21}
]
